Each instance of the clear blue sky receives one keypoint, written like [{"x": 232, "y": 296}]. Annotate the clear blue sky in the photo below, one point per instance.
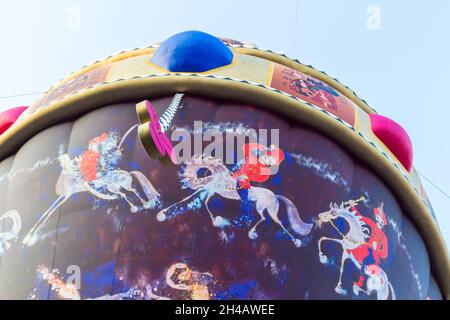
[{"x": 401, "y": 69}]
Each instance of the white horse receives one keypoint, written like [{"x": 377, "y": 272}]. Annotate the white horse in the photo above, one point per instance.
[
  {"x": 357, "y": 234},
  {"x": 220, "y": 182},
  {"x": 111, "y": 185},
  {"x": 13, "y": 229}
]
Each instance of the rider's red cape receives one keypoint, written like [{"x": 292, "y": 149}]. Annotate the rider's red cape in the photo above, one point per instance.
[
  {"x": 377, "y": 242},
  {"x": 90, "y": 158},
  {"x": 252, "y": 169}
]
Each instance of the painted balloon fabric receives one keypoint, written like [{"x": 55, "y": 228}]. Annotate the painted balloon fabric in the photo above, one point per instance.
[{"x": 297, "y": 219}]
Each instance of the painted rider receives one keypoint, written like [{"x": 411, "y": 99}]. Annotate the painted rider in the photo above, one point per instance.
[
  {"x": 101, "y": 156},
  {"x": 260, "y": 163},
  {"x": 375, "y": 249}
]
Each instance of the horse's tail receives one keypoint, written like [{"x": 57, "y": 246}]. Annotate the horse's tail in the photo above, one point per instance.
[
  {"x": 393, "y": 297},
  {"x": 125, "y": 136},
  {"x": 149, "y": 190},
  {"x": 301, "y": 228}
]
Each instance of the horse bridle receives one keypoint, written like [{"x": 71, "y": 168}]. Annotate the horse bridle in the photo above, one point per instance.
[{"x": 339, "y": 231}]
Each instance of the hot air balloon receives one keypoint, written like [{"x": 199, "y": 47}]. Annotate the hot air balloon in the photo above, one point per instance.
[{"x": 206, "y": 168}]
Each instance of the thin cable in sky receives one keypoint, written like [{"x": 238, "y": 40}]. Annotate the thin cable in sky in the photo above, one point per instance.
[
  {"x": 434, "y": 185},
  {"x": 295, "y": 37},
  {"x": 21, "y": 95}
]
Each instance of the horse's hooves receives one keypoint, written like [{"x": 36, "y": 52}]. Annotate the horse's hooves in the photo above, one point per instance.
[
  {"x": 252, "y": 234},
  {"x": 161, "y": 217},
  {"x": 218, "y": 221},
  {"x": 323, "y": 258},
  {"x": 340, "y": 290},
  {"x": 356, "y": 289},
  {"x": 25, "y": 242},
  {"x": 148, "y": 205},
  {"x": 29, "y": 241},
  {"x": 298, "y": 243},
  {"x": 134, "y": 209}
]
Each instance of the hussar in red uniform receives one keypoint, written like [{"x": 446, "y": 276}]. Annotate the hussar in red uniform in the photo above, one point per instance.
[
  {"x": 376, "y": 248},
  {"x": 260, "y": 163}
]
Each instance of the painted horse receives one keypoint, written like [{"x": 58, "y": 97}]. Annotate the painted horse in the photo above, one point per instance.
[
  {"x": 106, "y": 184},
  {"x": 358, "y": 235},
  {"x": 219, "y": 181}
]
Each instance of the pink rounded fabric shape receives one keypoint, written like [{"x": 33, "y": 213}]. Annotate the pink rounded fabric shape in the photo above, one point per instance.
[
  {"x": 394, "y": 137},
  {"x": 161, "y": 141},
  {"x": 9, "y": 117}
]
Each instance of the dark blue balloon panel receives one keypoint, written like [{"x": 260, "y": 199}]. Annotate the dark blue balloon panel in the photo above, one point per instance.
[
  {"x": 85, "y": 213},
  {"x": 192, "y": 51}
]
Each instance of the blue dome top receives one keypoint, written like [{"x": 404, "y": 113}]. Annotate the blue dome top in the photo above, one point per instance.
[{"x": 192, "y": 51}]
